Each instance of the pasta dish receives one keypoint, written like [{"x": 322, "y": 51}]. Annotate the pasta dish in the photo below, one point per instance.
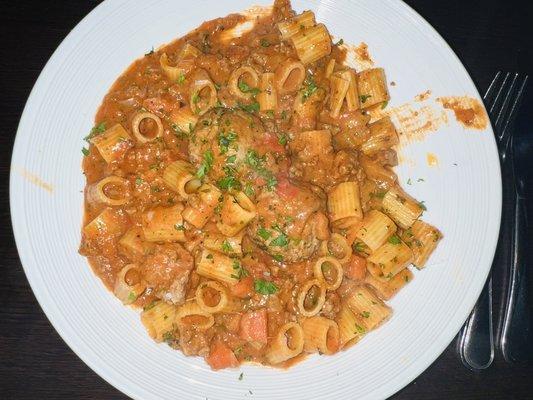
[{"x": 240, "y": 193}]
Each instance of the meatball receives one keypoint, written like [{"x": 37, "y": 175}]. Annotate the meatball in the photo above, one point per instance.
[
  {"x": 290, "y": 222},
  {"x": 238, "y": 150},
  {"x": 167, "y": 272}
]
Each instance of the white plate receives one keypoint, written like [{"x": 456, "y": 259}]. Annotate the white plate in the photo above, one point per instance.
[{"x": 464, "y": 200}]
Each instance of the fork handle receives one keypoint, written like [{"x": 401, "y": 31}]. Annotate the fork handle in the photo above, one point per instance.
[
  {"x": 476, "y": 341},
  {"x": 517, "y": 333}
]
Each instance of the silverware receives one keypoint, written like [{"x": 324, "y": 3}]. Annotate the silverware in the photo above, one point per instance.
[
  {"x": 516, "y": 339},
  {"x": 476, "y": 339}
]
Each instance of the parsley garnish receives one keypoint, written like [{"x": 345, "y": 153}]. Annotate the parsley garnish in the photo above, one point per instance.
[
  {"x": 226, "y": 247},
  {"x": 231, "y": 159},
  {"x": 95, "y": 131},
  {"x": 282, "y": 139},
  {"x": 278, "y": 257},
  {"x": 85, "y": 151},
  {"x": 179, "y": 227},
  {"x": 340, "y": 42},
  {"x": 225, "y": 141},
  {"x": 394, "y": 239},
  {"x": 249, "y": 190},
  {"x": 281, "y": 241},
  {"x": 365, "y": 314},
  {"x": 181, "y": 78},
  {"x": 138, "y": 181},
  {"x": 422, "y": 206},
  {"x": 240, "y": 271},
  {"x": 240, "y": 376},
  {"x": 384, "y": 104},
  {"x": 264, "y": 233},
  {"x": 359, "y": 329},
  {"x": 365, "y": 97},
  {"x": 310, "y": 88},
  {"x": 206, "y": 164},
  {"x": 251, "y": 108},
  {"x": 359, "y": 247},
  {"x": 132, "y": 296},
  {"x": 245, "y": 88},
  {"x": 265, "y": 287},
  {"x": 150, "y": 52},
  {"x": 256, "y": 162},
  {"x": 264, "y": 43}
]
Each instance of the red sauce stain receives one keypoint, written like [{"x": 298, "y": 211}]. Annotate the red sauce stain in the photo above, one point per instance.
[
  {"x": 468, "y": 111},
  {"x": 423, "y": 96}
]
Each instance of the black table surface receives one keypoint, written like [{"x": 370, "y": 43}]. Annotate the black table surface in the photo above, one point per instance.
[{"x": 35, "y": 363}]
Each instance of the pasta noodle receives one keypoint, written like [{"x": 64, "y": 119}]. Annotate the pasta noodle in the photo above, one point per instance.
[
  {"x": 111, "y": 191},
  {"x": 215, "y": 265},
  {"x": 203, "y": 93},
  {"x": 212, "y": 297},
  {"x": 128, "y": 284},
  {"x": 230, "y": 245},
  {"x": 389, "y": 259},
  {"x": 296, "y": 24},
  {"x": 386, "y": 290},
  {"x": 375, "y": 229},
  {"x": 191, "y": 314},
  {"x": 328, "y": 270},
  {"x": 320, "y": 335},
  {"x": 289, "y": 76},
  {"x": 159, "y": 320},
  {"x": 402, "y": 208},
  {"x": 311, "y": 297},
  {"x": 183, "y": 120},
  {"x": 237, "y": 211},
  {"x": 382, "y": 137},
  {"x": 351, "y": 328},
  {"x": 113, "y": 143},
  {"x": 242, "y": 81},
  {"x": 143, "y": 133},
  {"x": 423, "y": 239},
  {"x": 163, "y": 224},
  {"x": 311, "y": 44},
  {"x": 339, "y": 247},
  {"x": 344, "y": 201},
  {"x": 368, "y": 307},
  {"x": 288, "y": 343},
  {"x": 201, "y": 205},
  {"x": 268, "y": 95},
  {"x": 179, "y": 176},
  {"x": 372, "y": 87},
  {"x": 338, "y": 89}
]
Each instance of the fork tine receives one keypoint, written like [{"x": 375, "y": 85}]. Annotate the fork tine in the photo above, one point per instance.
[
  {"x": 499, "y": 94},
  {"x": 489, "y": 94},
  {"x": 501, "y": 112},
  {"x": 512, "y": 113}
]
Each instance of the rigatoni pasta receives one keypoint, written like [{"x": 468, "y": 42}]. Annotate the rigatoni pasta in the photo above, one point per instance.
[{"x": 241, "y": 193}]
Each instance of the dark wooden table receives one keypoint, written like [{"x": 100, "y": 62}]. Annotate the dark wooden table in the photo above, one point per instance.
[{"x": 35, "y": 363}]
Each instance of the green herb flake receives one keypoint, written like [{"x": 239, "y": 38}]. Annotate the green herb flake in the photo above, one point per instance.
[
  {"x": 340, "y": 42},
  {"x": 264, "y": 42},
  {"x": 283, "y": 139},
  {"x": 249, "y": 190},
  {"x": 359, "y": 247},
  {"x": 359, "y": 329},
  {"x": 264, "y": 233},
  {"x": 179, "y": 227},
  {"x": 85, "y": 151},
  {"x": 278, "y": 257},
  {"x": 206, "y": 164},
  {"x": 409, "y": 181},
  {"x": 365, "y": 97},
  {"x": 226, "y": 247},
  {"x": 231, "y": 159},
  {"x": 422, "y": 206},
  {"x": 420, "y": 180},
  {"x": 394, "y": 239},
  {"x": 95, "y": 131},
  {"x": 181, "y": 78},
  {"x": 138, "y": 181},
  {"x": 245, "y": 88},
  {"x": 310, "y": 88},
  {"x": 240, "y": 271},
  {"x": 384, "y": 104},
  {"x": 281, "y": 241},
  {"x": 152, "y": 51},
  {"x": 365, "y": 314},
  {"x": 250, "y": 108},
  {"x": 265, "y": 287},
  {"x": 241, "y": 376},
  {"x": 225, "y": 141},
  {"x": 132, "y": 297}
]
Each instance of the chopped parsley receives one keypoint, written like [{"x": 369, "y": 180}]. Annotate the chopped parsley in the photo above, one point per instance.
[
  {"x": 265, "y": 287},
  {"x": 95, "y": 131},
  {"x": 282, "y": 139},
  {"x": 256, "y": 162},
  {"x": 179, "y": 227},
  {"x": 85, "y": 151},
  {"x": 206, "y": 164},
  {"x": 249, "y": 190},
  {"x": 132, "y": 296},
  {"x": 226, "y": 247},
  {"x": 281, "y": 241},
  {"x": 359, "y": 247},
  {"x": 231, "y": 159},
  {"x": 270, "y": 113},
  {"x": 251, "y": 108},
  {"x": 365, "y": 314},
  {"x": 365, "y": 97},
  {"x": 422, "y": 206},
  {"x": 359, "y": 329},
  {"x": 240, "y": 271},
  {"x": 245, "y": 88},
  {"x": 409, "y": 181},
  {"x": 181, "y": 78},
  {"x": 340, "y": 42},
  {"x": 394, "y": 239},
  {"x": 310, "y": 88},
  {"x": 264, "y": 233},
  {"x": 241, "y": 376},
  {"x": 224, "y": 141},
  {"x": 138, "y": 181},
  {"x": 278, "y": 257},
  {"x": 384, "y": 104},
  {"x": 264, "y": 42},
  {"x": 150, "y": 52}
]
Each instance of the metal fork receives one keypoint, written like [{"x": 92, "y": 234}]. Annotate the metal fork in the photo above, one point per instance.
[{"x": 476, "y": 340}]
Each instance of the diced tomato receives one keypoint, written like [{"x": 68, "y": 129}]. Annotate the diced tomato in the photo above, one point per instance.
[
  {"x": 254, "y": 326},
  {"x": 356, "y": 268},
  {"x": 244, "y": 288},
  {"x": 287, "y": 189},
  {"x": 220, "y": 356}
]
